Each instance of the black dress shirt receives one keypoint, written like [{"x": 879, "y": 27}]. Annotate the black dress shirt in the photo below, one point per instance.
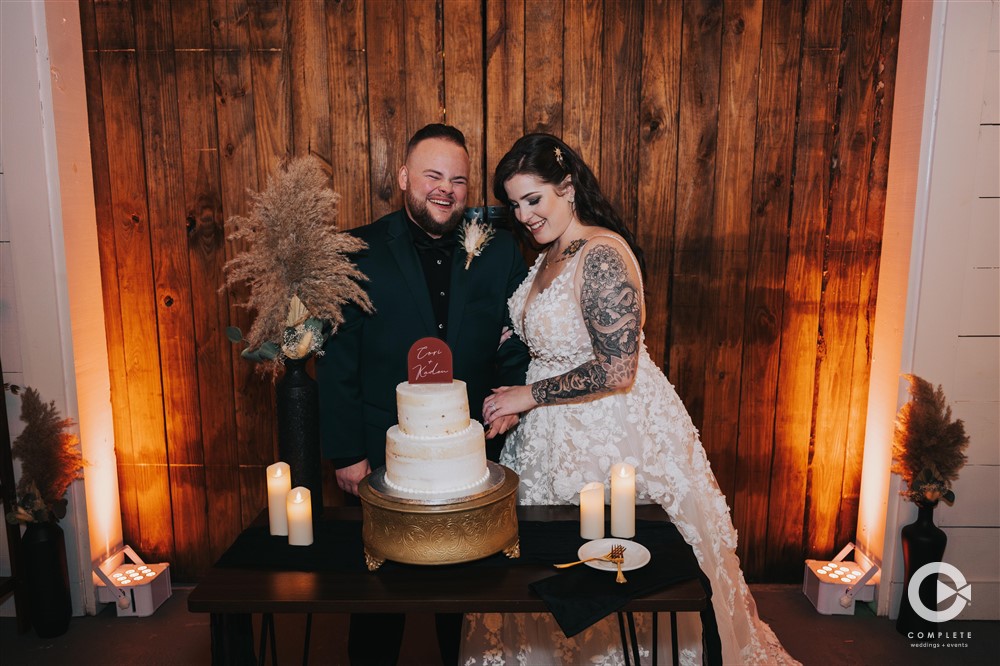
[{"x": 435, "y": 258}]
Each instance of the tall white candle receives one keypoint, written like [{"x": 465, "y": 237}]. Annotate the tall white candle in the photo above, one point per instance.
[
  {"x": 300, "y": 524},
  {"x": 592, "y": 511},
  {"x": 279, "y": 482},
  {"x": 623, "y": 500}
]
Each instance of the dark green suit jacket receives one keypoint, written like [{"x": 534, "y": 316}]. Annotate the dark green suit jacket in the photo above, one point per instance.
[{"x": 366, "y": 358}]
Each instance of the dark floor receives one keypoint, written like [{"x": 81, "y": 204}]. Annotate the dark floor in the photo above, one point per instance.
[{"x": 173, "y": 636}]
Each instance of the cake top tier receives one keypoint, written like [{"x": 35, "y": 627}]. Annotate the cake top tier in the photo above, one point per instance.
[{"x": 432, "y": 410}]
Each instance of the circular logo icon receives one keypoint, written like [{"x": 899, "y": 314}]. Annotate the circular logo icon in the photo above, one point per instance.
[{"x": 960, "y": 589}]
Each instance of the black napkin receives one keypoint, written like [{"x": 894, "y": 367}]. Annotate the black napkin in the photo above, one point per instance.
[{"x": 580, "y": 596}]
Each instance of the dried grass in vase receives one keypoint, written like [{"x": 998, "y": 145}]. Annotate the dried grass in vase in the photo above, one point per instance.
[
  {"x": 50, "y": 461},
  {"x": 927, "y": 445},
  {"x": 296, "y": 265}
]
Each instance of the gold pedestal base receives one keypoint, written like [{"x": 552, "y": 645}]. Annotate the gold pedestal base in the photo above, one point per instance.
[{"x": 414, "y": 533}]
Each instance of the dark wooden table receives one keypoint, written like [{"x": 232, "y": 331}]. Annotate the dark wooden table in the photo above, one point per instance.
[{"x": 232, "y": 594}]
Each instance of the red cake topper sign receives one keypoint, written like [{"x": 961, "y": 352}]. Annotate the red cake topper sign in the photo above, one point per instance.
[{"x": 429, "y": 362}]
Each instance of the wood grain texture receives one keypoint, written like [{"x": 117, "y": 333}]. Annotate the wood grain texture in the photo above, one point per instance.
[
  {"x": 350, "y": 167},
  {"x": 766, "y": 262},
  {"x": 691, "y": 304},
  {"x": 311, "y": 134},
  {"x": 728, "y": 259},
  {"x": 386, "y": 48},
  {"x": 504, "y": 54},
  {"x": 794, "y": 447},
  {"x": 423, "y": 64},
  {"x": 746, "y": 141},
  {"x": 543, "y": 66},
  {"x": 838, "y": 413},
  {"x": 583, "y": 45},
  {"x": 658, "y": 138},
  {"x": 463, "y": 87}
]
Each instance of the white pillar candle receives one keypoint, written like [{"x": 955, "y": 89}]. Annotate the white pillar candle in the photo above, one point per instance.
[
  {"x": 279, "y": 482},
  {"x": 300, "y": 523},
  {"x": 592, "y": 511},
  {"x": 623, "y": 500}
]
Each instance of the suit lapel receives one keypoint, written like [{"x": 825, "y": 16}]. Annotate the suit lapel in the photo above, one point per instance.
[
  {"x": 459, "y": 293},
  {"x": 401, "y": 248}
]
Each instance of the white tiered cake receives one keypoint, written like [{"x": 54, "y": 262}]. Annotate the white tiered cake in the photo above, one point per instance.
[{"x": 436, "y": 449}]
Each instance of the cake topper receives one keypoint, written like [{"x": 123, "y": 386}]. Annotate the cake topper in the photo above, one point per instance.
[{"x": 429, "y": 362}]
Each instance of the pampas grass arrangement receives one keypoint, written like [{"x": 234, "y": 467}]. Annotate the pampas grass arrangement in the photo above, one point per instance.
[
  {"x": 296, "y": 265},
  {"x": 927, "y": 446},
  {"x": 50, "y": 461}
]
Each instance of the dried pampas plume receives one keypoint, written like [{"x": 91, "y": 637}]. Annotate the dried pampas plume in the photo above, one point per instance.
[
  {"x": 50, "y": 460},
  {"x": 928, "y": 446},
  {"x": 296, "y": 262}
]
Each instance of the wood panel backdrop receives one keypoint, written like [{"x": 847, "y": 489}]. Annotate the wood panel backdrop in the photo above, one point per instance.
[{"x": 746, "y": 140}]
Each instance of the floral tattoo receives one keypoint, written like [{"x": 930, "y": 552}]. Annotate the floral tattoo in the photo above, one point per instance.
[{"x": 612, "y": 313}]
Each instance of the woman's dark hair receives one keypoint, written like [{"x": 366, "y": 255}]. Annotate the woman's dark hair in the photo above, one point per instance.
[{"x": 549, "y": 159}]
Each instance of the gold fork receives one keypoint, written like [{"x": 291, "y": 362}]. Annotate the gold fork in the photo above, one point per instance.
[
  {"x": 618, "y": 560},
  {"x": 617, "y": 552}
]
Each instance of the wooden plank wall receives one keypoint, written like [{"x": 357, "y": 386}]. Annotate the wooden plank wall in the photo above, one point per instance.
[{"x": 746, "y": 140}]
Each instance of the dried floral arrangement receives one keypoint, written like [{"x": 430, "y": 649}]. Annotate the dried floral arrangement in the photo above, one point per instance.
[
  {"x": 50, "y": 460},
  {"x": 296, "y": 265},
  {"x": 927, "y": 445}
]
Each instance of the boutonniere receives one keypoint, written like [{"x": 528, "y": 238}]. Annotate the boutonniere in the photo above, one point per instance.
[{"x": 473, "y": 237}]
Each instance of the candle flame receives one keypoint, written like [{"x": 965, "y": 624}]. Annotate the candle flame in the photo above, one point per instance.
[{"x": 298, "y": 497}]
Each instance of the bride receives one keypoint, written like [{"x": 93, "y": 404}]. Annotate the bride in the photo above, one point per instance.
[{"x": 594, "y": 397}]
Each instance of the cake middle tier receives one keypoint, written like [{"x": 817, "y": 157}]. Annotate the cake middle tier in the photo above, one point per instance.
[{"x": 435, "y": 465}]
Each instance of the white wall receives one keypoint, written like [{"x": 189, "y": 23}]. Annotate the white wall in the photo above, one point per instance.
[
  {"x": 953, "y": 330},
  {"x": 51, "y": 307}
]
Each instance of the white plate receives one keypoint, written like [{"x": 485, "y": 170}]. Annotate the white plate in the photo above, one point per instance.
[{"x": 636, "y": 555}]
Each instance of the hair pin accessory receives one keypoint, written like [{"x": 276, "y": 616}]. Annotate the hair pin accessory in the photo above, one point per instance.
[{"x": 559, "y": 157}]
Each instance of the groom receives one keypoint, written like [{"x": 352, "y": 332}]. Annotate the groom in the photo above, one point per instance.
[{"x": 420, "y": 287}]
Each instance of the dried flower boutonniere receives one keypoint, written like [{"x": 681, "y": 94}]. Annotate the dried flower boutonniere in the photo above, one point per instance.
[{"x": 474, "y": 236}]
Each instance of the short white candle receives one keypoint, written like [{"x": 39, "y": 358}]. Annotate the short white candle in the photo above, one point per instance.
[
  {"x": 279, "y": 482},
  {"x": 592, "y": 511},
  {"x": 623, "y": 500},
  {"x": 300, "y": 524}
]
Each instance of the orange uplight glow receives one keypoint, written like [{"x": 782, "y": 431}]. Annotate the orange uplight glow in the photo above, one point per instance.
[{"x": 904, "y": 212}]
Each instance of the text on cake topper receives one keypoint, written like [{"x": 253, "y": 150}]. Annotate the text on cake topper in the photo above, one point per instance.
[{"x": 429, "y": 362}]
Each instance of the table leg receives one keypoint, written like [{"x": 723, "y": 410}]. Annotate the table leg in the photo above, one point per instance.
[
  {"x": 656, "y": 636},
  {"x": 673, "y": 637},
  {"x": 631, "y": 633},
  {"x": 621, "y": 630},
  {"x": 232, "y": 639}
]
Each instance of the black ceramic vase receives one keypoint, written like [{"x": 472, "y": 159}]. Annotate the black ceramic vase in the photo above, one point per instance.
[
  {"x": 923, "y": 543},
  {"x": 43, "y": 552},
  {"x": 298, "y": 430}
]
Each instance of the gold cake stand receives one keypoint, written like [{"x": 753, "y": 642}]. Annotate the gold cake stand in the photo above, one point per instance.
[{"x": 409, "y": 529}]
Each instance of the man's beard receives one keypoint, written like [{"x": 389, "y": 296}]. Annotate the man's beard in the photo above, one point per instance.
[{"x": 419, "y": 213}]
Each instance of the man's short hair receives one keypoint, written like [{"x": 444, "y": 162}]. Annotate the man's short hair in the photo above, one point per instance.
[{"x": 436, "y": 131}]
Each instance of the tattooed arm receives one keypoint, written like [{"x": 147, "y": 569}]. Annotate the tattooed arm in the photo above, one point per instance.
[{"x": 612, "y": 311}]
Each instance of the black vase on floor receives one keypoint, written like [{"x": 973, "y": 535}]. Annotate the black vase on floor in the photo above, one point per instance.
[
  {"x": 923, "y": 543},
  {"x": 298, "y": 430},
  {"x": 46, "y": 584}
]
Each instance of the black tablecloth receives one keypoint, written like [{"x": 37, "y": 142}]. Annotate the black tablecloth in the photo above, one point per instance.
[{"x": 577, "y": 597}]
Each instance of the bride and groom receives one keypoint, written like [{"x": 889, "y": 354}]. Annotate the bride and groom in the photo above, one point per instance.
[{"x": 588, "y": 397}]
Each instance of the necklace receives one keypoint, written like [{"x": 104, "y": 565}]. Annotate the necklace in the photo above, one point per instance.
[{"x": 570, "y": 251}]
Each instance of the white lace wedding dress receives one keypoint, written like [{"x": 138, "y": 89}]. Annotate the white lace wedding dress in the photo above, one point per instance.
[{"x": 557, "y": 449}]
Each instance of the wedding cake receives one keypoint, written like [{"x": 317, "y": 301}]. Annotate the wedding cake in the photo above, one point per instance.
[{"x": 436, "y": 449}]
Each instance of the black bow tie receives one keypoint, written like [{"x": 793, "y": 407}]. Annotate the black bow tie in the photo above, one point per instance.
[{"x": 440, "y": 246}]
